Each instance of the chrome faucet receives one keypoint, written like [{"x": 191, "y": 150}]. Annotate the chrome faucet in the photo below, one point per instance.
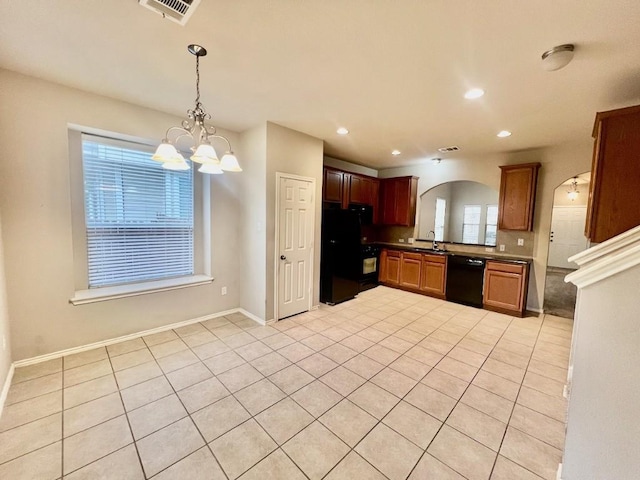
[{"x": 435, "y": 243}]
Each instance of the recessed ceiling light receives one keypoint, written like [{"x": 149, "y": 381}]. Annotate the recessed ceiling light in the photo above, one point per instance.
[
  {"x": 473, "y": 93},
  {"x": 396, "y": 153},
  {"x": 504, "y": 133},
  {"x": 342, "y": 131}
]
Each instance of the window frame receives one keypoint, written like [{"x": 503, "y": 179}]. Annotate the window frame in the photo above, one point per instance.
[
  {"x": 201, "y": 237},
  {"x": 487, "y": 225}
]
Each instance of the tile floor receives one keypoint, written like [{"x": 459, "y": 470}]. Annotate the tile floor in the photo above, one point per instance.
[{"x": 389, "y": 385}]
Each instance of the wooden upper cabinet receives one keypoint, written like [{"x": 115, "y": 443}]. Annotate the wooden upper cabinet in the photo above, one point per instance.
[
  {"x": 398, "y": 204},
  {"x": 333, "y": 186},
  {"x": 410, "y": 270},
  {"x": 359, "y": 189},
  {"x": 433, "y": 275},
  {"x": 613, "y": 206},
  {"x": 517, "y": 196},
  {"x": 505, "y": 287},
  {"x": 374, "y": 199}
]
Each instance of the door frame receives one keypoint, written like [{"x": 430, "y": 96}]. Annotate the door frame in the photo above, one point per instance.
[{"x": 276, "y": 256}]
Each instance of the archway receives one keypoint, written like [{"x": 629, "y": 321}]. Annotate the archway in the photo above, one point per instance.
[{"x": 566, "y": 238}]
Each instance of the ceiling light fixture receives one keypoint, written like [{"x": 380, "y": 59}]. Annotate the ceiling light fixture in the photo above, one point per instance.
[
  {"x": 436, "y": 161},
  {"x": 473, "y": 93},
  {"x": 573, "y": 192},
  {"x": 201, "y": 135},
  {"x": 504, "y": 133},
  {"x": 557, "y": 57},
  {"x": 395, "y": 153},
  {"x": 342, "y": 131}
]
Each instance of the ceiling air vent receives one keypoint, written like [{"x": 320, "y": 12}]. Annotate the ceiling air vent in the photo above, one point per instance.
[
  {"x": 448, "y": 149},
  {"x": 178, "y": 11}
]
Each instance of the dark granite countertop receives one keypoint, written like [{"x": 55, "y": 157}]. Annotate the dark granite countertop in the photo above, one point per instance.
[{"x": 502, "y": 257}]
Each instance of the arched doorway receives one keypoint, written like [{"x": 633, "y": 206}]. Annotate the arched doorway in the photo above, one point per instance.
[{"x": 566, "y": 238}]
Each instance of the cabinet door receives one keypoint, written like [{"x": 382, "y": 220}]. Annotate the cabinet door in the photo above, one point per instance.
[
  {"x": 615, "y": 176},
  {"x": 517, "y": 196},
  {"x": 333, "y": 185},
  {"x": 399, "y": 196},
  {"x": 410, "y": 270},
  {"x": 374, "y": 200},
  {"x": 433, "y": 276},
  {"x": 359, "y": 188},
  {"x": 504, "y": 287},
  {"x": 393, "y": 268}
]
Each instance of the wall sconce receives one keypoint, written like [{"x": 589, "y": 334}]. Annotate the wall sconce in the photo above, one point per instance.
[{"x": 573, "y": 192}]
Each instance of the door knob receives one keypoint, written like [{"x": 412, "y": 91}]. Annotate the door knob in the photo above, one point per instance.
[{"x": 282, "y": 257}]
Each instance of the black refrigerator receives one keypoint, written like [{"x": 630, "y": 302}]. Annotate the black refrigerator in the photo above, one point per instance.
[{"x": 340, "y": 259}]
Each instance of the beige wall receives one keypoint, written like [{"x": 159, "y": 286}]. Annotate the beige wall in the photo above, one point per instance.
[
  {"x": 36, "y": 213},
  {"x": 349, "y": 167},
  {"x": 253, "y": 240},
  {"x": 558, "y": 164},
  {"x": 5, "y": 340},
  {"x": 289, "y": 151}
]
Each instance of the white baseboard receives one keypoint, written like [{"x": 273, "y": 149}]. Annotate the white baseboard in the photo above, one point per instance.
[
  {"x": 111, "y": 341},
  {"x": 5, "y": 387}
]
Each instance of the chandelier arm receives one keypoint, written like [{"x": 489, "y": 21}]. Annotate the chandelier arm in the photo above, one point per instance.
[
  {"x": 223, "y": 138},
  {"x": 185, "y": 131}
]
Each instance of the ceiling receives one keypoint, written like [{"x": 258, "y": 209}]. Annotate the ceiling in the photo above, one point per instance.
[{"x": 392, "y": 72}]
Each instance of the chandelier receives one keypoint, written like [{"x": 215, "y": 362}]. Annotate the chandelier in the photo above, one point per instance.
[
  {"x": 201, "y": 135},
  {"x": 573, "y": 192}
]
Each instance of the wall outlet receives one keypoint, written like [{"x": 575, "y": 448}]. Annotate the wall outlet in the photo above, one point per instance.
[
  {"x": 223, "y": 290},
  {"x": 502, "y": 248},
  {"x": 489, "y": 250},
  {"x": 521, "y": 242},
  {"x": 401, "y": 240},
  {"x": 410, "y": 240}
]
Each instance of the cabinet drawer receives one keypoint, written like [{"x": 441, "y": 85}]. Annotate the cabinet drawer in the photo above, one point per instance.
[
  {"x": 434, "y": 258},
  {"x": 505, "y": 267},
  {"x": 412, "y": 256},
  {"x": 394, "y": 253}
]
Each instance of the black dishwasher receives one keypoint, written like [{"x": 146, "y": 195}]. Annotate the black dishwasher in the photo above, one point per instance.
[{"x": 465, "y": 276}]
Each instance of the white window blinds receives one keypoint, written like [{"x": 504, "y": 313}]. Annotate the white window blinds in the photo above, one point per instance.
[
  {"x": 471, "y": 224},
  {"x": 441, "y": 209},
  {"x": 139, "y": 216}
]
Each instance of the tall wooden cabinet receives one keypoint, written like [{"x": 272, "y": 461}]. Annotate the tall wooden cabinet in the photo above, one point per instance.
[
  {"x": 517, "y": 196},
  {"x": 613, "y": 205}
]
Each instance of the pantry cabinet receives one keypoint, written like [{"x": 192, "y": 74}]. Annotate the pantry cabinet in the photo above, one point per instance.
[{"x": 615, "y": 174}]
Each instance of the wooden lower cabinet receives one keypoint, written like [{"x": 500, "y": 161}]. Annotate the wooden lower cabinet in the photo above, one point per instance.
[
  {"x": 390, "y": 271},
  {"x": 410, "y": 270},
  {"x": 433, "y": 276},
  {"x": 505, "y": 287}
]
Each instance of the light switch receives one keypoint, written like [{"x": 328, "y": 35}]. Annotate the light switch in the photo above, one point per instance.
[{"x": 521, "y": 242}]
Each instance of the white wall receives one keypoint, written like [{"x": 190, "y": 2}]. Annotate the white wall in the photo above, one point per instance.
[
  {"x": 289, "y": 151},
  {"x": 5, "y": 351},
  {"x": 603, "y": 430},
  {"x": 558, "y": 164},
  {"x": 36, "y": 213}
]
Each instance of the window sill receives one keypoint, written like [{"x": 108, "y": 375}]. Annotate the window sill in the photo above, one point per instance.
[{"x": 93, "y": 295}]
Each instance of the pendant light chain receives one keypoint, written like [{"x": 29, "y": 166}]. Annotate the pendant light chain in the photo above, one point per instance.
[{"x": 198, "y": 81}]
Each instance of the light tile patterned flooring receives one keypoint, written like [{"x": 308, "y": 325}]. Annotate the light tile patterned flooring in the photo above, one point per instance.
[{"x": 389, "y": 385}]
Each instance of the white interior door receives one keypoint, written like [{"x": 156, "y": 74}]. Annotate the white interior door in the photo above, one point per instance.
[
  {"x": 295, "y": 242},
  {"x": 567, "y": 235}
]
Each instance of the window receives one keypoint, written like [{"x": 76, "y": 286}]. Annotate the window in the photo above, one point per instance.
[
  {"x": 441, "y": 209},
  {"x": 492, "y": 225},
  {"x": 471, "y": 224},
  {"x": 139, "y": 217}
]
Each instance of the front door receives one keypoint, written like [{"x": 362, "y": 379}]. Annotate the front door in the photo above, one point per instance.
[
  {"x": 567, "y": 235},
  {"x": 295, "y": 245}
]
